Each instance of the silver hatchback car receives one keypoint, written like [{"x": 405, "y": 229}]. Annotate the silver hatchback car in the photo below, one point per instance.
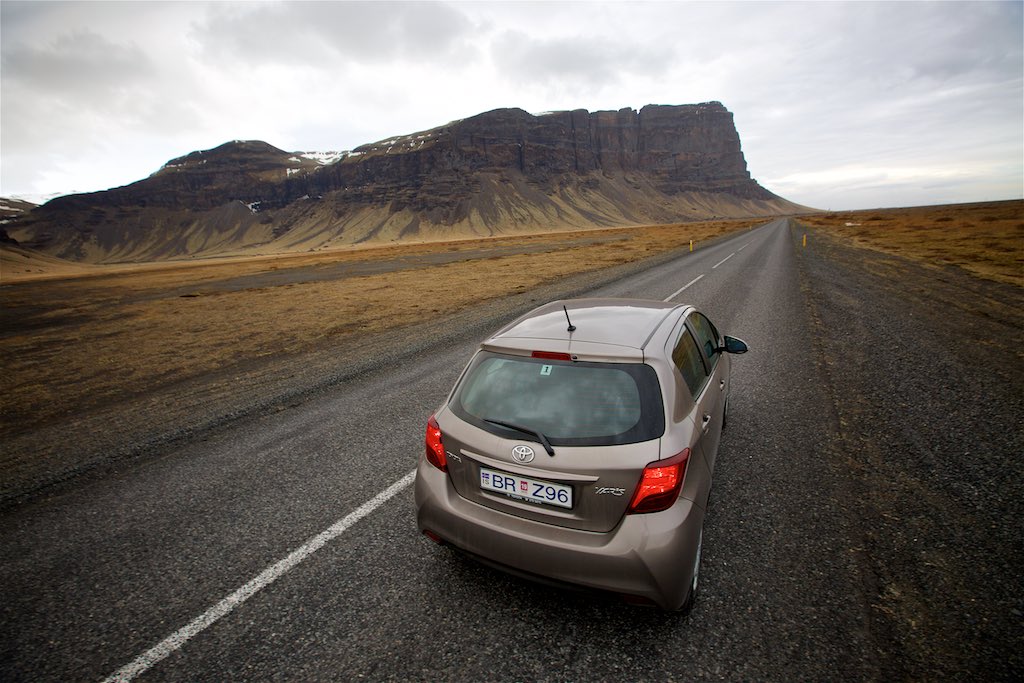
[{"x": 578, "y": 445}]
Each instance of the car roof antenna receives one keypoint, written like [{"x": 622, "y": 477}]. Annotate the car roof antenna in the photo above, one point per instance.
[{"x": 572, "y": 328}]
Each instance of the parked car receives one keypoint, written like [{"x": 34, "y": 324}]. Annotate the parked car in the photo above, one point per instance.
[{"x": 577, "y": 447}]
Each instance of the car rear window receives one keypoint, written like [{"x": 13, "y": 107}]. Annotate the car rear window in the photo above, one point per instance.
[{"x": 571, "y": 403}]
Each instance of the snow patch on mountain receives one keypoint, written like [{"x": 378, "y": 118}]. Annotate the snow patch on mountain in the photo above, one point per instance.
[{"x": 324, "y": 158}]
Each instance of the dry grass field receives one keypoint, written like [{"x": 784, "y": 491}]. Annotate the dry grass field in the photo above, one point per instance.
[
  {"x": 75, "y": 342},
  {"x": 987, "y": 239}
]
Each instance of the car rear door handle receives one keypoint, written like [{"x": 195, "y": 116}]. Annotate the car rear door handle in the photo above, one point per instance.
[
  {"x": 705, "y": 423},
  {"x": 721, "y": 384}
]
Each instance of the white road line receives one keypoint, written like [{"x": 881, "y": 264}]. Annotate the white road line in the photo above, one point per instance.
[
  {"x": 723, "y": 260},
  {"x": 174, "y": 641},
  {"x": 681, "y": 289},
  {"x": 743, "y": 247}
]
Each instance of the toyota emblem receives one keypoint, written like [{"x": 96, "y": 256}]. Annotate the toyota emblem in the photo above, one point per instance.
[{"x": 522, "y": 453}]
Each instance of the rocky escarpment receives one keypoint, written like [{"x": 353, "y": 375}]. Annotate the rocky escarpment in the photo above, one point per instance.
[
  {"x": 685, "y": 148},
  {"x": 499, "y": 172}
]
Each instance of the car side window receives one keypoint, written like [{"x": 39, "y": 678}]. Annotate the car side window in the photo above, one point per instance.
[
  {"x": 707, "y": 339},
  {"x": 686, "y": 356}
]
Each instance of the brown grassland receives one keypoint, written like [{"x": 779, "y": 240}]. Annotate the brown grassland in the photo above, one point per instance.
[
  {"x": 78, "y": 342},
  {"x": 986, "y": 240},
  {"x": 74, "y": 341}
]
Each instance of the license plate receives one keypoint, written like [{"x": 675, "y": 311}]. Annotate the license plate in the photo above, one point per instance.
[{"x": 524, "y": 488}]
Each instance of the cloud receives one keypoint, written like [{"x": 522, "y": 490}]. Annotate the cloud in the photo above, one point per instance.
[
  {"x": 889, "y": 85},
  {"x": 81, "y": 65},
  {"x": 576, "y": 62},
  {"x": 107, "y": 92},
  {"x": 79, "y": 77},
  {"x": 322, "y": 34}
]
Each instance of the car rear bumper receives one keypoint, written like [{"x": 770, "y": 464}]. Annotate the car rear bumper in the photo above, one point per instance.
[{"x": 649, "y": 556}]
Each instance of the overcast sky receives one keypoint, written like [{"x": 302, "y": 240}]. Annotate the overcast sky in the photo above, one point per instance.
[{"x": 838, "y": 105}]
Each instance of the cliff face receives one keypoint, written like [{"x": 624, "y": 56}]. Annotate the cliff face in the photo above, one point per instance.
[
  {"x": 681, "y": 148},
  {"x": 499, "y": 172}
]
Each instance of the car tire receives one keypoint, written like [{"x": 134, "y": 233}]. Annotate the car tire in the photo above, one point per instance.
[{"x": 691, "y": 597}]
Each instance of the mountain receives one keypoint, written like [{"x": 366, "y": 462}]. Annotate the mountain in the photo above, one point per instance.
[
  {"x": 11, "y": 208},
  {"x": 500, "y": 172}
]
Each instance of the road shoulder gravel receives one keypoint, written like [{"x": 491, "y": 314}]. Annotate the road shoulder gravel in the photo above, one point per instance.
[{"x": 925, "y": 371}]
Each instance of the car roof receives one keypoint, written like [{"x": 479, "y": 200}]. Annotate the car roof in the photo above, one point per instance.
[{"x": 609, "y": 329}]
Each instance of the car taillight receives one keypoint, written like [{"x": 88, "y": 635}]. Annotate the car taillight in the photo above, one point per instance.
[
  {"x": 435, "y": 449},
  {"x": 660, "y": 484}
]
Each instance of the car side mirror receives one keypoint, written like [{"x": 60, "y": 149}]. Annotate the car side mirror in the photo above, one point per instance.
[{"x": 734, "y": 345}]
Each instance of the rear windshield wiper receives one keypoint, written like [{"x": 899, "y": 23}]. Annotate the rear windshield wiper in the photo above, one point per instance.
[{"x": 525, "y": 430}]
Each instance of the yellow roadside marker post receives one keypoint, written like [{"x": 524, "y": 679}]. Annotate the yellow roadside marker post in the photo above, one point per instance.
[
  {"x": 805, "y": 239},
  {"x": 691, "y": 245}
]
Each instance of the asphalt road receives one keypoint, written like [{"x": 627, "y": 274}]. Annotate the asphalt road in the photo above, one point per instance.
[{"x": 96, "y": 576}]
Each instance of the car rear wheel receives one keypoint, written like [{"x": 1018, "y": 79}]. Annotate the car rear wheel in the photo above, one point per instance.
[{"x": 692, "y": 596}]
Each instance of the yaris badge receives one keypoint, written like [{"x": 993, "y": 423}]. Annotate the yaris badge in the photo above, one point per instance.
[{"x": 522, "y": 454}]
